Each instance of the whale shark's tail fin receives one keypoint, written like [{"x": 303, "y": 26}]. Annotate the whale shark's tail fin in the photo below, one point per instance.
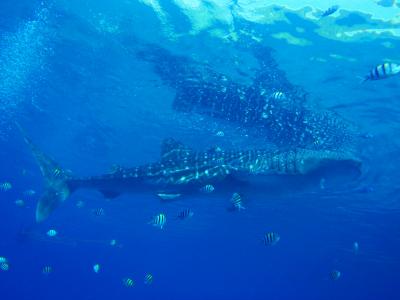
[{"x": 56, "y": 187}]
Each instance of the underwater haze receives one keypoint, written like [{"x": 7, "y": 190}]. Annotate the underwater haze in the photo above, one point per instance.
[{"x": 190, "y": 149}]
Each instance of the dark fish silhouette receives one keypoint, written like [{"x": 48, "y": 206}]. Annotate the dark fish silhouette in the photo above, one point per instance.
[{"x": 330, "y": 11}]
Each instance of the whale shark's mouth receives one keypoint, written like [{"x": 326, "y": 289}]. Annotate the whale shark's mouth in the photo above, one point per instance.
[{"x": 337, "y": 173}]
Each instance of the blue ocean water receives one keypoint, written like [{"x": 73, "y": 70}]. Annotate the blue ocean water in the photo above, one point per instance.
[{"x": 99, "y": 84}]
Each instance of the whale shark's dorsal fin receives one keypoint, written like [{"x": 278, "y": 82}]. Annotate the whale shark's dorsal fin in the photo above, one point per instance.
[{"x": 172, "y": 149}]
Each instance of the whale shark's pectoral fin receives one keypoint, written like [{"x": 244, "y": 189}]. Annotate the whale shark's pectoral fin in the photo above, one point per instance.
[{"x": 168, "y": 196}]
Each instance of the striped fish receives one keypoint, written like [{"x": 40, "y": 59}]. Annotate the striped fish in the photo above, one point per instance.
[
  {"x": 57, "y": 172},
  {"x": 383, "y": 71},
  {"x": 158, "y": 221},
  {"x": 5, "y": 186},
  {"x": 271, "y": 239},
  {"x": 335, "y": 275},
  {"x": 128, "y": 282},
  {"x": 220, "y": 134},
  {"x": 237, "y": 202},
  {"x": 47, "y": 270},
  {"x": 52, "y": 233},
  {"x": 184, "y": 214},
  {"x": 148, "y": 279},
  {"x": 4, "y": 266},
  {"x": 99, "y": 212},
  {"x": 207, "y": 189},
  {"x": 29, "y": 193},
  {"x": 278, "y": 96}
]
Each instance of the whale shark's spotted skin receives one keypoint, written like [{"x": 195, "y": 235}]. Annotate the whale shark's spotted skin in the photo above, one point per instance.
[
  {"x": 181, "y": 171},
  {"x": 288, "y": 122},
  {"x": 180, "y": 166}
]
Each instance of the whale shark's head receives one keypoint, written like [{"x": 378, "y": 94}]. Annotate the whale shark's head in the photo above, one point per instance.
[
  {"x": 328, "y": 162},
  {"x": 333, "y": 169}
]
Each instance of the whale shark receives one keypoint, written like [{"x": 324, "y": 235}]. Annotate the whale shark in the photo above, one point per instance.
[
  {"x": 182, "y": 171},
  {"x": 290, "y": 121}
]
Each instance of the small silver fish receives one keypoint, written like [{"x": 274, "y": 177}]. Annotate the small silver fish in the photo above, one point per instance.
[
  {"x": 158, "y": 221},
  {"x": 46, "y": 270},
  {"x": 207, "y": 189},
  {"x": 271, "y": 239},
  {"x": 113, "y": 243},
  {"x": 237, "y": 202},
  {"x": 335, "y": 275},
  {"x": 148, "y": 279},
  {"x": 3, "y": 259},
  {"x": 322, "y": 183},
  {"x": 184, "y": 214},
  {"x": 356, "y": 247},
  {"x": 5, "y": 186},
  {"x": 96, "y": 268},
  {"x": 128, "y": 282},
  {"x": 52, "y": 233},
  {"x": 383, "y": 71},
  {"x": 20, "y": 203},
  {"x": 80, "y": 204}
]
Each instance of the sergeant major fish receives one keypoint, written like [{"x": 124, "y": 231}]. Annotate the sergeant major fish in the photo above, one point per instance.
[
  {"x": 237, "y": 202},
  {"x": 271, "y": 238},
  {"x": 383, "y": 71},
  {"x": 185, "y": 214},
  {"x": 158, "y": 221}
]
